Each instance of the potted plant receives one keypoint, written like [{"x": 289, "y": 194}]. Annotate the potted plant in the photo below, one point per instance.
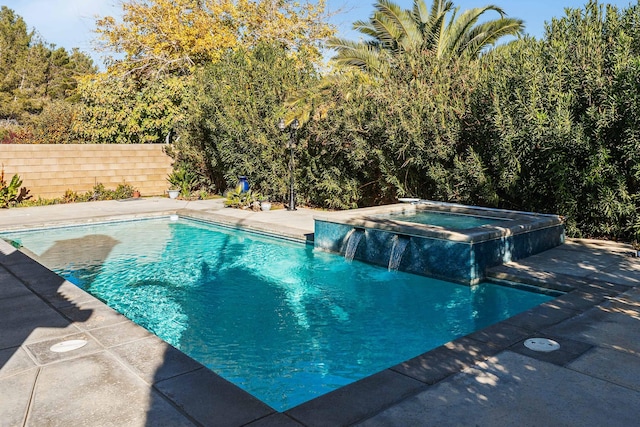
[
  {"x": 265, "y": 205},
  {"x": 181, "y": 183},
  {"x": 173, "y": 193}
]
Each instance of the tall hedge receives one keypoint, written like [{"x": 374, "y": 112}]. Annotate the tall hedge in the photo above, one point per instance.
[{"x": 557, "y": 124}]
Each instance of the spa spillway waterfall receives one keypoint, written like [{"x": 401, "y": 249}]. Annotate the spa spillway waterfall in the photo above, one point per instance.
[
  {"x": 442, "y": 240},
  {"x": 398, "y": 247},
  {"x": 351, "y": 242},
  {"x": 354, "y": 237}
]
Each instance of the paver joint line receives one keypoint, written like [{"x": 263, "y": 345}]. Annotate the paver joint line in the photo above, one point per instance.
[{"x": 31, "y": 397}]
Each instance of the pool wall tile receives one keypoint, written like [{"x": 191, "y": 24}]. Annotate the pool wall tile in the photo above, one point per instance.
[{"x": 331, "y": 236}]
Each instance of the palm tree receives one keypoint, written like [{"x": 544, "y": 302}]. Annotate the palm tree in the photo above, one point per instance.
[{"x": 393, "y": 31}]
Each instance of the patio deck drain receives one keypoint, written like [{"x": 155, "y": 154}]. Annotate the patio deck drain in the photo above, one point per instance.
[{"x": 541, "y": 344}]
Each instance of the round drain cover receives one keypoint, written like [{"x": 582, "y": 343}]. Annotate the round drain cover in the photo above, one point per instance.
[
  {"x": 64, "y": 346},
  {"x": 541, "y": 344}
]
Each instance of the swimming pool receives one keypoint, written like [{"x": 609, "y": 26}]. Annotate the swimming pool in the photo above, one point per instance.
[{"x": 277, "y": 318}]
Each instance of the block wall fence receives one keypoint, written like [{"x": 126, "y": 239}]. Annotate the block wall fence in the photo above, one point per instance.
[{"x": 47, "y": 171}]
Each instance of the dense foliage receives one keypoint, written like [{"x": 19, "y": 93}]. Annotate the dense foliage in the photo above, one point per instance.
[
  {"x": 164, "y": 44},
  {"x": 116, "y": 110},
  {"x": 232, "y": 112},
  {"x": 380, "y": 141},
  {"x": 556, "y": 122}
]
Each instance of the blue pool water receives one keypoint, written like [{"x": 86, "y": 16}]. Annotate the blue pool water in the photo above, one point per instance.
[
  {"x": 443, "y": 219},
  {"x": 278, "y": 319}
]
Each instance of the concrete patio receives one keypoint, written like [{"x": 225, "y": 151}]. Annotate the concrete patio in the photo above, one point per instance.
[{"x": 126, "y": 376}]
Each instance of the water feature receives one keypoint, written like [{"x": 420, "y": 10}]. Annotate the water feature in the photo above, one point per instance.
[
  {"x": 448, "y": 241},
  {"x": 397, "y": 251},
  {"x": 352, "y": 241}
]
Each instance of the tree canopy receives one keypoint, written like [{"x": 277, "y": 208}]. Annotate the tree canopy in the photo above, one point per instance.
[
  {"x": 392, "y": 31},
  {"x": 159, "y": 36},
  {"x": 34, "y": 77}
]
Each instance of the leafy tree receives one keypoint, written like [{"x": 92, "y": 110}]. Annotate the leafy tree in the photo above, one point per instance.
[
  {"x": 64, "y": 70},
  {"x": 119, "y": 110},
  {"x": 392, "y": 31},
  {"x": 159, "y": 36},
  {"x": 230, "y": 127},
  {"x": 169, "y": 35},
  {"x": 14, "y": 45},
  {"x": 36, "y": 79}
]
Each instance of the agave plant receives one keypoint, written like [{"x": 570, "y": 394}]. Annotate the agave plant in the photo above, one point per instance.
[{"x": 239, "y": 199}]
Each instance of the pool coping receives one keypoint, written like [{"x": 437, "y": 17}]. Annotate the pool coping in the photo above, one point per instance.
[{"x": 364, "y": 398}]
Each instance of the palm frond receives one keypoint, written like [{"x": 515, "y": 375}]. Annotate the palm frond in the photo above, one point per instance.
[
  {"x": 408, "y": 31},
  {"x": 488, "y": 33},
  {"x": 358, "y": 55},
  {"x": 394, "y": 31},
  {"x": 459, "y": 28},
  {"x": 388, "y": 33},
  {"x": 435, "y": 27}
]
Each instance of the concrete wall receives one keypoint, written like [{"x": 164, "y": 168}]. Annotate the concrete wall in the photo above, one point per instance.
[{"x": 47, "y": 171}]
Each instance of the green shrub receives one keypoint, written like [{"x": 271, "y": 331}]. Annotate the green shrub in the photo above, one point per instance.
[
  {"x": 238, "y": 199},
  {"x": 123, "y": 191},
  {"x": 11, "y": 193},
  {"x": 184, "y": 180},
  {"x": 230, "y": 128}
]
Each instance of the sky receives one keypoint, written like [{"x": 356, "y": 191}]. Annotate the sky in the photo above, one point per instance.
[{"x": 70, "y": 23}]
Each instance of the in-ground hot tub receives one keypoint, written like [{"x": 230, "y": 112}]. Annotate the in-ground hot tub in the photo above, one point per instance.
[{"x": 442, "y": 240}]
